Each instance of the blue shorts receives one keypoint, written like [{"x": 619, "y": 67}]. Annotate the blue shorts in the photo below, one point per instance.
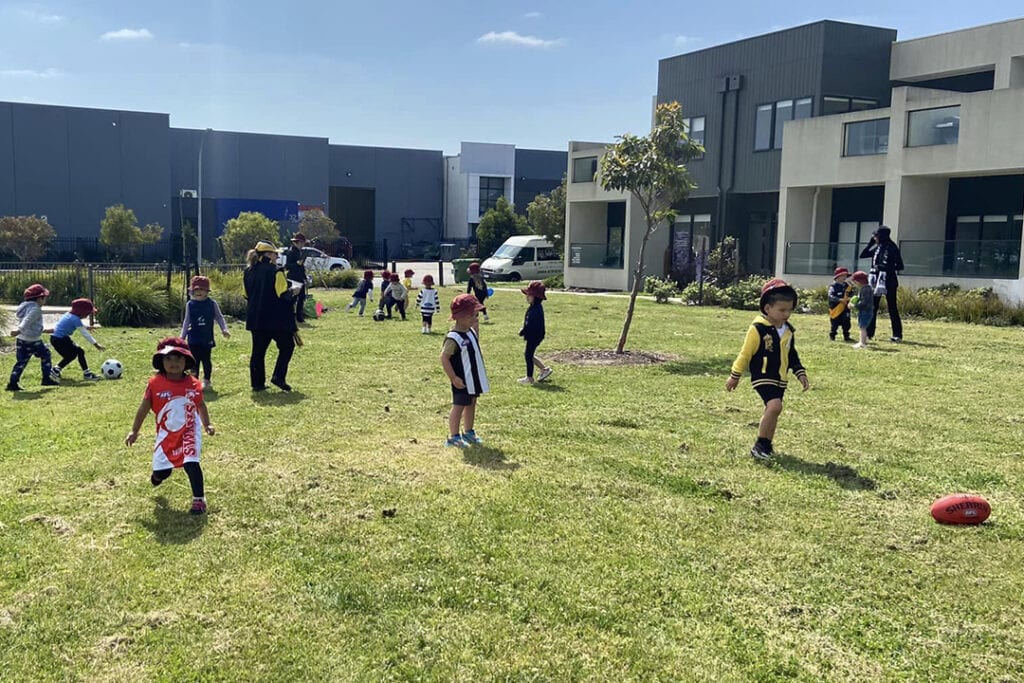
[{"x": 864, "y": 319}]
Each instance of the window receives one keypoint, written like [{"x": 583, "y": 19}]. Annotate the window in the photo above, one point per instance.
[
  {"x": 695, "y": 129},
  {"x": 548, "y": 254},
  {"x": 763, "y": 127},
  {"x": 584, "y": 169},
  {"x": 832, "y": 104},
  {"x": 771, "y": 118},
  {"x": 934, "y": 127},
  {"x": 491, "y": 189},
  {"x": 866, "y": 137}
]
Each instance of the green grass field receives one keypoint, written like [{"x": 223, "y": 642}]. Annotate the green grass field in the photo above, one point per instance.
[{"x": 613, "y": 528}]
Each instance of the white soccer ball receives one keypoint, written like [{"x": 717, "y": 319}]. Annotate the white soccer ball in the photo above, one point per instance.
[{"x": 111, "y": 369}]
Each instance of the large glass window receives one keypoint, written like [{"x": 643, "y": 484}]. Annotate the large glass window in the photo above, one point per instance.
[
  {"x": 763, "y": 127},
  {"x": 832, "y": 104},
  {"x": 866, "y": 137},
  {"x": 584, "y": 169},
  {"x": 491, "y": 189},
  {"x": 771, "y": 119},
  {"x": 934, "y": 127},
  {"x": 695, "y": 129}
]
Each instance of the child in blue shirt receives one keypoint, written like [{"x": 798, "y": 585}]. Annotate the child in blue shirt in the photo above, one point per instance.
[
  {"x": 67, "y": 348},
  {"x": 363, "y": 291},
  {"x": 201, "y": 312}
]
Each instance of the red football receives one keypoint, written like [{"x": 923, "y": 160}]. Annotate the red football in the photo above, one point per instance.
[{"x": 961, "y": 508}]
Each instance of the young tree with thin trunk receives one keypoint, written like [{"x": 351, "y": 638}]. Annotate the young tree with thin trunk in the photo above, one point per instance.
[{"x": 652, "y": 169}]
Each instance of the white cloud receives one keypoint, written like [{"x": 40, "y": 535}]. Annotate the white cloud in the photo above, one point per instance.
[
  {"x": 128, "y": 34},
  {"x": 687, "y": 41},
  {"x": 513, "y": 38},
  {"x": 533, "y": 15},
  {"x": 30, "y": 73},
  {"x": 41, "y": 17}
]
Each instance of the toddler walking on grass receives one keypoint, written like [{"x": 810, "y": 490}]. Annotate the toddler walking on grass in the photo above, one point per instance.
[
  {"x": 201, "y": 312},
  {"x": 176, "y": 398},
  {"x": 29, "y": 341},
  {"x": 864, "y": 302},
  {"x": 770, "y": 353}
]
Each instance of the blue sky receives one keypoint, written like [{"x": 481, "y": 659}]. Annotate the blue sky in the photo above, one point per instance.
[{"x": 401, "y": 73}]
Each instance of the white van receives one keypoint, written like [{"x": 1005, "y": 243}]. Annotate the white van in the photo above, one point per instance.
[{"x": 523, "y": 257}]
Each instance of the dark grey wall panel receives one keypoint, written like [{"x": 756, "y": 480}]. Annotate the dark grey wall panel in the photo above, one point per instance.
[
  {"x": 538, "y": 171},
  {"x": 408, "y": 184},
  {"x": 95, "y": 169},
  {"x": 41, "y": 165},
  {"x": 7, "y": 199},
  {"x": 856, "y": 62},
  {"x": 145, "y": 166}
]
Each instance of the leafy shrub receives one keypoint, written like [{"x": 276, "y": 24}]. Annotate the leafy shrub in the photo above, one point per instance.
[
  {"x": 814, "y": 300},
  {"x": 661, "y": 290},
  {"x": 132, "y": 302},
  {"x": 948, "y": 302},
  {"x": 342, "y": 279},
  {"x": 744, "y": 294},
  {"x": 555, "y": 281},
  {"x": 65, "y": 285},
  {"x": 712, "y": 296}
]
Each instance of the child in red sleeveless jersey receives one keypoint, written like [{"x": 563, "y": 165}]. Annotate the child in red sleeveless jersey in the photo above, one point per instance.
[{"x": 176, "y": 398}]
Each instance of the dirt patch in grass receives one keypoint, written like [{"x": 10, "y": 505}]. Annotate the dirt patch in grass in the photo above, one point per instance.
[{"x": 607, "y": 357}]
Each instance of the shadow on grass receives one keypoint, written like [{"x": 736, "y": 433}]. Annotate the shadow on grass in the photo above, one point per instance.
[
  {"x": 275, "y": 397},
  {"x": 174, "y": 527},
  {"x": 926, "y": 345},
  {"x": 547, "y": 386},
  {"x": 843, "y": 475},
  {"x": 488, "y": 458},
  {"x": 27, "y": 395},
  {"x": 699, "y": 366}
]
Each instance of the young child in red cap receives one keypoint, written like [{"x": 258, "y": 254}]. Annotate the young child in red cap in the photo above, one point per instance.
[
  {"x": 770, "y": 353},
  {"x": 407, "y": 280},
  {"x": 428, "y": 303},
  {"x": 395, "y": 295},
  {"x": 864, "y": 302},
  {"x": 533, "y": 331},
  {"x": 176, "y": 398},
  {"x": 29, "y": 335},
  {"x": 463, "y": 362},
  {"x": 201, "y": 312},
  {"x": 839, "y": 293},
  {"x": 62, "y": 341},
  {"x": 363, "y": 291}
]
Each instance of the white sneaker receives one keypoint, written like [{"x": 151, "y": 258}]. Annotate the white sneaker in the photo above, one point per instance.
[
  {"x": 544, "y": 374},
  {"x": 525, "y": 380},
  {"x": 207, "y": 385}
]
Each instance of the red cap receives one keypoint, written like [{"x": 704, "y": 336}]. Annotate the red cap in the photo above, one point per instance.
[
  {"x": 535, "y": 289},
  {"x": 35, "y": 291},
  {"x": 199, "y": 282},
  {"x": 82, "y": 307},
  {"x": 465, "y": 303},
  {"x": 428, "y": 279},
  {"x": 298, "y": 237},
  {"x": 386, "y": 274},
  {"x": 860, "y": 277},
  {"x": 776, "y": 284},
  {"x": 394, "y": 277},
  {"x": 474, "y": 267},
  {"x": 409, "y": 272},
  {"x": 169, "y": 345},
  {"x": 841, "y": 270},
  {"x": 367, "y": 274}
]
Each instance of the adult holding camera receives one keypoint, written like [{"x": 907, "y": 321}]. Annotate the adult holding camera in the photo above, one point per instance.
[
  {"x": 295, "y": 269},
  {"x": 269, "y": 316},
  {"x": 886, "y": 262}
]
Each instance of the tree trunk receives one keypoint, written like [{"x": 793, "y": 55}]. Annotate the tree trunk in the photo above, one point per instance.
[{"x": 637, "y": 275}]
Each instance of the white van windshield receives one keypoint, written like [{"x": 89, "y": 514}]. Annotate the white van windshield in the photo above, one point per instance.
[{"x": 507, "y": 251}]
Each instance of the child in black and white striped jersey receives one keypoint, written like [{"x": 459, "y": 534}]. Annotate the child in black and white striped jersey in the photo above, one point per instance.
[
  {"x": 428, "y": 302},
  {"x": 463, "y": 362}
]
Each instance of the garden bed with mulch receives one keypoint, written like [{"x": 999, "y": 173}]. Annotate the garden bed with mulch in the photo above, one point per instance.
[{"x": 609, "y": 357}]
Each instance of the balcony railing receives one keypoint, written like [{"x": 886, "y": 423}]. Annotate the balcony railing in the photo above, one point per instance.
[
  {"x": 992, "y": 259},
  {"x": 962, "y": 258},
  {"x": 594, "y": 255},
  {"x": 821, "y": 258}
]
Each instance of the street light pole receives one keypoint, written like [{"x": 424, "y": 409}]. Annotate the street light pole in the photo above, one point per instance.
[{"x": 199, "y": 228}]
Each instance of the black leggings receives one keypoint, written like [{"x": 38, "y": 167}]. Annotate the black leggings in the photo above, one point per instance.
[
  {"x": 894, "y": 313},
  {"x": 69, "y": 351},
  {"x": 398, "y": 303},
  {"x": 531, "y": 348},
  {"x": 261, "y": 339},
  {"x": 195, "y": 477},
  {"x": 202, "y": 356}
]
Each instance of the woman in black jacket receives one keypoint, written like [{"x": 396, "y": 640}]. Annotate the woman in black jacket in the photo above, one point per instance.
[
  {"x": 886, "y": 262},
  {"x": 269, "y": 316}
]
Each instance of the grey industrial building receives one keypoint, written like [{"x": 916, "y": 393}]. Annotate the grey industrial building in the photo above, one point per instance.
[{"x": 70, "y": 163}]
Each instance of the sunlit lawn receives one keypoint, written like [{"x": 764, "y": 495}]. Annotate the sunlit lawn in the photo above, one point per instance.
[{"x": 613, "y": 528}]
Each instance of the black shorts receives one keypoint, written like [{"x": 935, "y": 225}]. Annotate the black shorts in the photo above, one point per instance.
[
  {"x": 769, "y": 392},
  {"x": 461, "y": 397}
]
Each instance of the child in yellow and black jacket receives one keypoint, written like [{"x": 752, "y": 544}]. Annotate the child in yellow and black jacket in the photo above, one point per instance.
[{"x": 770, "y": 353}]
